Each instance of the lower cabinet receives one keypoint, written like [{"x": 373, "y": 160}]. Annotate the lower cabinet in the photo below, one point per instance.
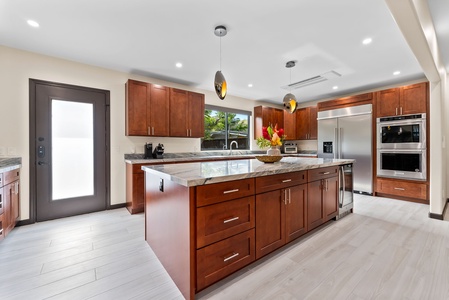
[
  {"x": 402, "y": 188},
  {"x": 9, "y": 201},
  {"x": 135, "y": 191},
  {"x": 322, "y": 197}
]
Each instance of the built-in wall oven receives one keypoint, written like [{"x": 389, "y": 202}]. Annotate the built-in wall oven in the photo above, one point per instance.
[
  {"x": 402, "y": 132},
  {"x": 402, "y": 163},
  {"x": 401, "y": 147}
]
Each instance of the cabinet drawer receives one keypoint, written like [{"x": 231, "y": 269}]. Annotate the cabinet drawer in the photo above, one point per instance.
[
  {"x": 219, "y": 192},
  {"x": 218, "y": 260},
  {"x": 279, "y": 181},
  {"x": 219, "y": 221},
  {"x": 11, "y": 176},
  {"x": 322, "y": 173},
  {"x": 402, "y": 188}
]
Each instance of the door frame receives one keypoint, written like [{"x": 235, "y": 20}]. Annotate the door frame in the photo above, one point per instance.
[{"x": 33, "y": 143}]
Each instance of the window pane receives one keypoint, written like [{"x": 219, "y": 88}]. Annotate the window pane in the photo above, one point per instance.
[
  {"x": 221, "y": 128},
  {"x": 72, "y": 149}
]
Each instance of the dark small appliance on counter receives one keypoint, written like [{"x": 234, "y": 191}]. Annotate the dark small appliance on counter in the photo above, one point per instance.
[
  {"x": 158, "y": 151},
  {"x": 148, "y": 150}
]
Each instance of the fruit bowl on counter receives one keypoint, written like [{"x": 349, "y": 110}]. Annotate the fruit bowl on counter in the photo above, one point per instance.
[{"x": 269, "y": 158}]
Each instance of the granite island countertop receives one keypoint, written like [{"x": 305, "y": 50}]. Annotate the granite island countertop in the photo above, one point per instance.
[{"x": 200, "y": 173}]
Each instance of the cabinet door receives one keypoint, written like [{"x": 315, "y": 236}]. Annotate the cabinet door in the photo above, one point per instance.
[
  {"x": 7, "y": 193},
  {"x": 179, "y": 106},
  {"x": 315, "y": 216},
  {"x": 296, "y": 212},
  {"x": 414, "y": 99},
  {"x": 138, "y": 191},
  {"x": 157, "y": 110},
  {"x": 278, "y": 117},
  {"x": 290, "y": 125},
  {"x": 137, "y": 94},
  {"x": 330, "y": 198},
  {"x": 270, "y": 215},
  {"x": 196, "y": 115},
  {"x": 388, "y": 103},
  {"x": 313, "y": 123},
  {"x": 302, "y": 123},
  {"x": 15, "y": 203}
]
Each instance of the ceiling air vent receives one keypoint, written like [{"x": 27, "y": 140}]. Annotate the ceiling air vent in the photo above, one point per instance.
[{"x": 312, "y": 80}]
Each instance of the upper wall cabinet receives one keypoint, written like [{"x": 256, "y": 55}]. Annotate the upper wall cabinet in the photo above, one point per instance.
[
  {"x": 264, "y": 116},
  {"x": 290, "y": 125},
  {"x": 306, "y": 123},
  {"x": 146, "y": 109},
  {"x": 405, "y": 100},
  {"x": 155, "y": 110},
  {"x": 186, "y": 113}
]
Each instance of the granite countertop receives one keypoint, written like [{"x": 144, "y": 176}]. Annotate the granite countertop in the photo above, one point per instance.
[
  {"x": 211, "y": 155},
  {"x": 199, "y": 173},
  {"x": 10, "y": 163}
]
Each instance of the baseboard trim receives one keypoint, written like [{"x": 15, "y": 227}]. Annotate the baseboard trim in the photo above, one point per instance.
[
  {"x": 115, "y": 206},
  {"x": 439, "y": 216},
  {"x": 24, "y": 222}
]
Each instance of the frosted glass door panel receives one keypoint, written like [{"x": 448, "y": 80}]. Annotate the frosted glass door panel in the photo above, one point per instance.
[{"x": 72, "y": 149}]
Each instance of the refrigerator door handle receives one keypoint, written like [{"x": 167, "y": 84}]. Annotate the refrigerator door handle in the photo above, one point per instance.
[
  {"x": 336, "y": 141},
  {"x": 339, "y": 142}
]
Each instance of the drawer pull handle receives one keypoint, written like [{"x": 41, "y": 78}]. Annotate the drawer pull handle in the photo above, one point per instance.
[
  {"x": 399, "y": 189},
  {"x": 231, "y": 257},
  {"x": 230, "y": 220},
  {"x": 230, "y": 191},
  {"x": 286, "y": 180},
  {"x": 325, "y": 173}
]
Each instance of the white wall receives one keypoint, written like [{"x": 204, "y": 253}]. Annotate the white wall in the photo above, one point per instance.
[{"x": 17, "y": 67}]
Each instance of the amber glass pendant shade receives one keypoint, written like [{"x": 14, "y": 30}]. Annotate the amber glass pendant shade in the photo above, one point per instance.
[
  {"x": 290, "y": 103},
  {"x": 221, "y": 88}
]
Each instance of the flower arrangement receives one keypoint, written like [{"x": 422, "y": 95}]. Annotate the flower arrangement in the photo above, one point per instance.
[{"x": 271, "y": 136}]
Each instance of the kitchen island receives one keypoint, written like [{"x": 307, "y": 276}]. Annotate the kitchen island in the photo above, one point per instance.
[{"x": 206, "y": 220}]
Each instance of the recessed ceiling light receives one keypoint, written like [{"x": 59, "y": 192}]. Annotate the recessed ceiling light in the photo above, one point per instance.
[
  {"x": 250, "y": 85},
  {"x": 179, "y": 65},
  {"x": 335, "y": 87},
  {"x": 33, "y": 23},
  {"x": 367, "y": 41},
  {"x": 396, "y": 73}
]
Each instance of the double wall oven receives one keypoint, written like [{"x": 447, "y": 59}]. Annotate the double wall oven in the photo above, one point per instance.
[{"x": 401, "y": 147}]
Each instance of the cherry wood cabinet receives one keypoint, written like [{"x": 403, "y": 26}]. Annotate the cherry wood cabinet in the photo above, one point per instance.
[
  {"x": 147, "y": 107},
  {"x": 155, "y": 110},
  {"x": 402, "y": 188},
  {"x": 9, "y": 201},
  {"x": 135, "y": 182},
  {"x": 186, "y": 113},
  {"x": 280, "y": 210},
  {"x": 264, "y": 116},
  {"x": 306, "y": 123},
  {"x": 290, "y": 125},
  {"x": 405, "y": 100},
  {"x": 322, "y": 197}
]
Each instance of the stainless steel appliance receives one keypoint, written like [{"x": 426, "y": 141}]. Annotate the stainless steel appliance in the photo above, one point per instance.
[
  {"x": 346, "y": 133},
  {"x": 402, "y": 163},
  {"x": 290, "y": 147},
  {"x": 346, "y": 191},
  {"x": 158, "y": 151},
  {"x": 402, "y": 132},
  {"x": 148, "y": 150}
]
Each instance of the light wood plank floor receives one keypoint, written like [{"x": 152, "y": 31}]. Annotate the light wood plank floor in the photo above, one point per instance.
[{"x": 387, "y": 249}]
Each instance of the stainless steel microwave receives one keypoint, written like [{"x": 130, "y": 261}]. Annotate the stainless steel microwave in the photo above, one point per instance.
[
  {"x": 402, "y": 163},
  {"x": 402, "y": 132}
]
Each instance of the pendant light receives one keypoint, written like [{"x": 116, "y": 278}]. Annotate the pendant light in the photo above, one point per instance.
[
  {"x": 290, "y": 103},
  {"x": 221, "y": 87}
]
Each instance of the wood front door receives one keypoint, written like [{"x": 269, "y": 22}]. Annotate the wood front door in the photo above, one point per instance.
[{"x": 69, "y": 153}]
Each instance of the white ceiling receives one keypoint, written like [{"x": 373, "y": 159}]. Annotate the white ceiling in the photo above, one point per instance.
[{"x": 147, "y": 37}]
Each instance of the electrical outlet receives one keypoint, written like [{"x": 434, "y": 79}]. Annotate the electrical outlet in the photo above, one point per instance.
[{"x": 2, "y": 151}]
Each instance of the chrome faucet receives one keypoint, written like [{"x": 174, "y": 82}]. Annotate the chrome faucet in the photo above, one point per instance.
[{"x": 230, "y": 146}]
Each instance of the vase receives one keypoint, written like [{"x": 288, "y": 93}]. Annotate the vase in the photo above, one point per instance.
[{"x": 274, "y": 151}]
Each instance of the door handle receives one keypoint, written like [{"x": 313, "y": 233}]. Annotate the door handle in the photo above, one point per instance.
[{"x": 40, "y": 163}]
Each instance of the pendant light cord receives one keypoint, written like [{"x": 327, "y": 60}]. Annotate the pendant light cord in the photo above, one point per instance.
[{"x": 220, "y": 53}]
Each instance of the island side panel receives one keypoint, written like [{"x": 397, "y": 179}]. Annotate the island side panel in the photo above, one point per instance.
[{"x": 169, "y": 224}]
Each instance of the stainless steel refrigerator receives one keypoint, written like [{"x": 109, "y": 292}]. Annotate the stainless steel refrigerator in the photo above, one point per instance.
[{"x": 346, "y": 133}]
